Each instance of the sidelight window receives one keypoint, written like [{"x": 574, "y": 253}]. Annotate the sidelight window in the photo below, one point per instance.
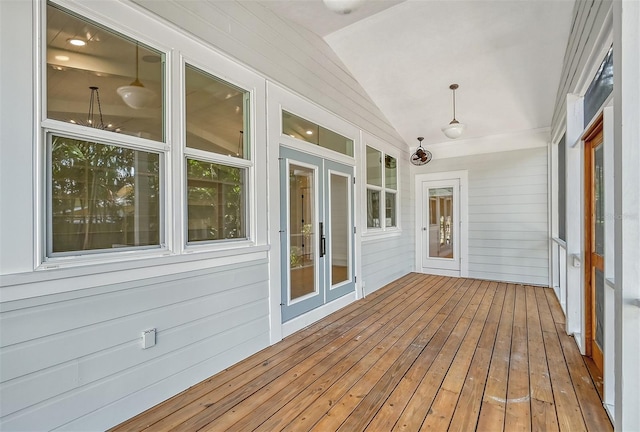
[{"x": 382, "y": 190}]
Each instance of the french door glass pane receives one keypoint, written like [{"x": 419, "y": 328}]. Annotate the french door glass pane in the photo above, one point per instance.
[
  {"x": 302, "y": 225},
  {"x": 340, "y": 226},
  {"x": 441, "y": 227},
  {"x": 102, "y": 196}
]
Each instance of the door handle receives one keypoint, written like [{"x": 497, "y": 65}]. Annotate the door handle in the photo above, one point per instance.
[{"x": 323, "y": 245}]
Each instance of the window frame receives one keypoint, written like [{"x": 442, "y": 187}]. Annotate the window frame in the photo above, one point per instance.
[
  {"x": 172, "y": 152},
  {"x": 383, "y": 190},
  {"x": 246, "y": 164}
]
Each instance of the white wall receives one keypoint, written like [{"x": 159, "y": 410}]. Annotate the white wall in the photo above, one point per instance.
[
  {"x": 283, "y": 51},
  {"x": 596, "y": 26},
  {"x": 590, "y": 34},
  {"x": 507, "y": 214},
  {"x": 74, "y": 360},
  {"x": 70, "y": 344},
  {"x": 388, "y": 255}
]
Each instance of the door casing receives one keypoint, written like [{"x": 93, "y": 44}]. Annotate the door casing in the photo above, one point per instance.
[
  {"x": 421, "y": 209},
  {"x": 324, "y": 291}
]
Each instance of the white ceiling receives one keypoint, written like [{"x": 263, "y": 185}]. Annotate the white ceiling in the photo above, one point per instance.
[{"x": 506, "y": 55}]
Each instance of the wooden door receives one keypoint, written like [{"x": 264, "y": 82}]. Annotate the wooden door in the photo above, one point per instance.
[{"x": 594, "y": 245}]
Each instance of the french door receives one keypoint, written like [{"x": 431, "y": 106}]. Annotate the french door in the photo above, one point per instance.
[
  {"x": 316, "y": 231},
  {"x": 594, "y": 246}
]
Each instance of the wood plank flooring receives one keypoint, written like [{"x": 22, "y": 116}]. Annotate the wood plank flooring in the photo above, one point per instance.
[{"x": 423, "y": 353}]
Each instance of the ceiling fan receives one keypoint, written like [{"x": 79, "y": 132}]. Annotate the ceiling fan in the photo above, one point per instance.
[{"x": 421, "y": 156}]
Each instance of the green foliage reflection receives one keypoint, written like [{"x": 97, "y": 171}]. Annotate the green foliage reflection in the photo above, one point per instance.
[
  {"x": 102, "y": 196},
  {"x": 215, "y": 200}
]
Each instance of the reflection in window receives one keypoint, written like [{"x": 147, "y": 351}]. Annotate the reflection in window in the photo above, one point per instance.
[
  {"x": 216, "y": 120},
  {"x": 600, "y": 88},
  {"x": 382, "y": 185},
  {"x": 215, "y": 201},
  {"x": 102, "y": 196},
  {"x": 127, "y": 78},
  {"x": 297, "y": 127},
  {"x": 390, "y": 209},
  {"x": 562, "y": 193},
  {"x": 373, "y": 208},
  {"x": 440, "y": 222},
  {"x": 374, "y": 167}
]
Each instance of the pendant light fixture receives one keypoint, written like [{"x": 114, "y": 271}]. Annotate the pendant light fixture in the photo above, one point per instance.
[
  {"x": 454, "y": 129},
  {"x": 135, "y": 95},
  {"x": 94, "y": 119}
]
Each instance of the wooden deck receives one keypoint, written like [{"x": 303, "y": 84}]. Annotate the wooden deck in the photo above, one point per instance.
[{"x": 424, "y": 353}]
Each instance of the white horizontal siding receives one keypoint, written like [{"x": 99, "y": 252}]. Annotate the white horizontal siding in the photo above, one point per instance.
[
  {"x": 507, "y": 214},
  {"x": 387, "y": 259},
  {"x": 79, "y": 355},
  {"x": 283, "y": 52},
  {"x": 589, "y": 18}
]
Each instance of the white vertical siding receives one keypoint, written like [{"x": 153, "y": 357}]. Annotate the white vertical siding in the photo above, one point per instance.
[{"x": 508, "y": 219}]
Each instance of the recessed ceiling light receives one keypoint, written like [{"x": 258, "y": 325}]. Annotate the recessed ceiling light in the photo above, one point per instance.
[
  {"x": 309, "y": 132},
  {"x": 62, "y": 58},
  {"x": 77, "y": 42}
]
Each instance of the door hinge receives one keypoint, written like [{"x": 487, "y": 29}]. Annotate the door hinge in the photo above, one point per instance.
[
  {"x": 354, "y": 180},
  {"x": 354, "y": 230},
  {"x": 355, "y": 279}
]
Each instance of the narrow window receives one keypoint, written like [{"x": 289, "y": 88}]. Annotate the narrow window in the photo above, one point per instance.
[
  {"x": 382, "y": 189},
  {"x": 217, "y": 150},
  {"x": 297, "y": 127}
]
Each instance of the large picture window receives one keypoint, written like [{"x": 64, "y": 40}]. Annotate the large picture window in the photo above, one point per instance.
[
  {"x": 105, "y": 138},
  {"x": 382, "y": 189}
]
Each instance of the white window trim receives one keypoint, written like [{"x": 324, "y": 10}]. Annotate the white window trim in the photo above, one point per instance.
[
  {"x": 129, "y": 20},
  {"x": 371, "y": 233}
]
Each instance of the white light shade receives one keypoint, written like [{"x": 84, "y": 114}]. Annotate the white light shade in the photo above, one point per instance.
[
  {"x": 136, "y": 96},
  {"x": 453, "y": 130},
  {"x": 343, "y": 6}
]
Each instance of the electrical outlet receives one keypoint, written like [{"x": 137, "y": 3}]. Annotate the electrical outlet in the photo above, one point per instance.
[{"x": 148, "y": 338}]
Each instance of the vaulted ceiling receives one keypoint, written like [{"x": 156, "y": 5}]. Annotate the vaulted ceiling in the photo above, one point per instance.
[{"x": 506, "y": 55}]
